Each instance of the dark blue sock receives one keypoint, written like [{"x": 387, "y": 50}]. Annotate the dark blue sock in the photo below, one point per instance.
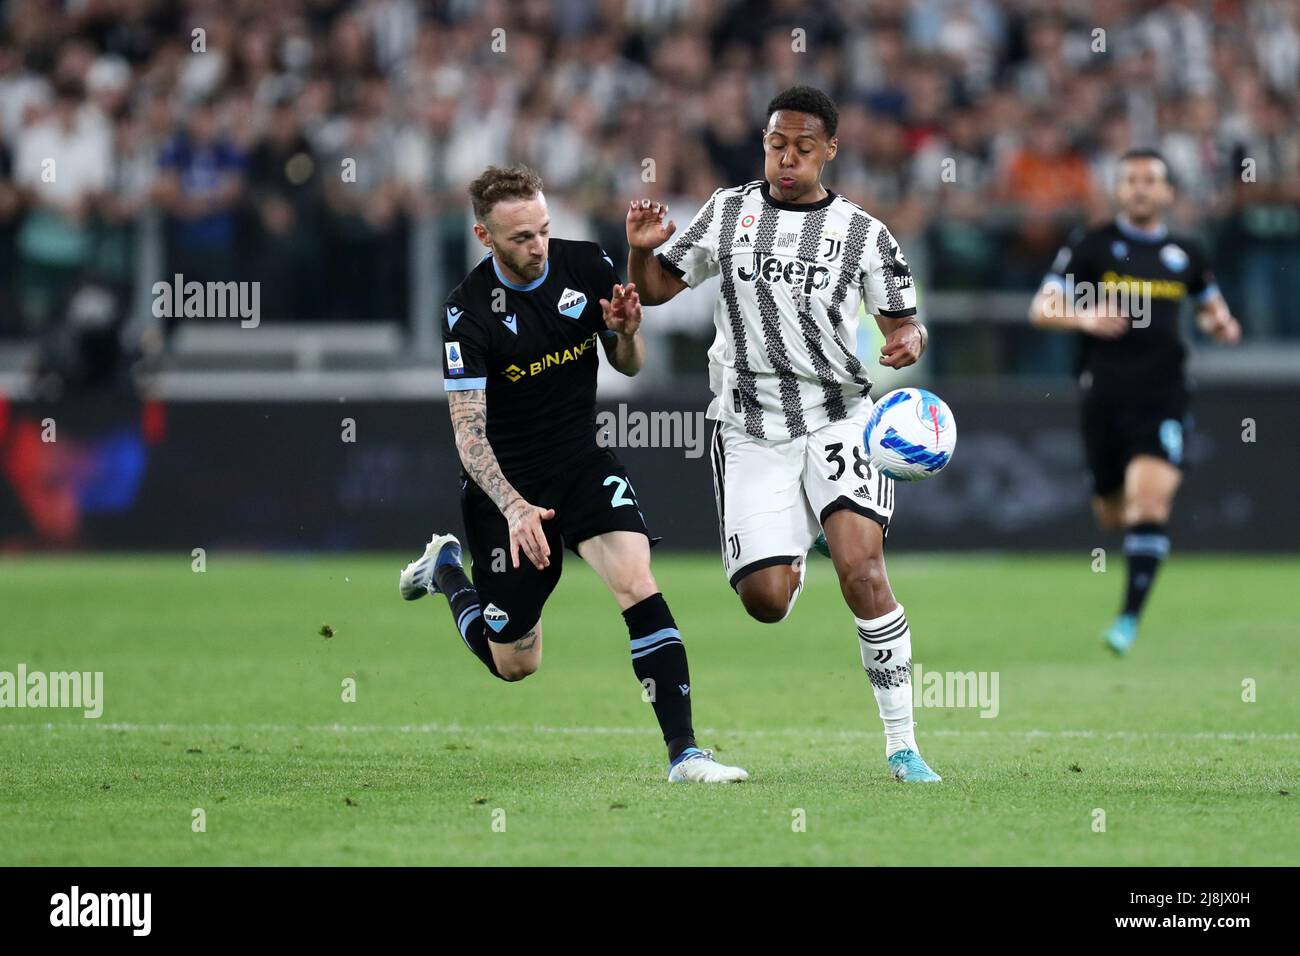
[
  {"x": 465, "y": 608},
  {"x": 1145, "y": 546},
  {"x": 659, "y": 660}
]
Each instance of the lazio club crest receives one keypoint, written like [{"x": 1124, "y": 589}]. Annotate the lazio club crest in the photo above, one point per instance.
[
  {"x": 1174, "y": 258},
  {"x": 572, "y": 302}
]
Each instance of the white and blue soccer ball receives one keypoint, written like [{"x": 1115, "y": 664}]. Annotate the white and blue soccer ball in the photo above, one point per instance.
[{"x": 911, "y": 434}]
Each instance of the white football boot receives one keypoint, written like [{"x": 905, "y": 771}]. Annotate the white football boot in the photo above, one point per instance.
[
  {"x": 417, "y": 577},
  {"x": 694, "y": 765}
]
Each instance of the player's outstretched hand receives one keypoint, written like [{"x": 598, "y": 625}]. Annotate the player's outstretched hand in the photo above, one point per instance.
[
  {"x": 622, "y": 312},
  {"x": 1228, "y": 333},
  {"x": 526, "y": 533},
  {"x": 646, "y": 228},
  {"x": 903, "y": 347},
  {"x": 1216, "y": 320}
]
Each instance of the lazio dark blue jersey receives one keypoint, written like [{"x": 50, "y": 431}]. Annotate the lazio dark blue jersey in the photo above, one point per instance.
[
  {"x": 532, "y": 349},
  {"x": 1170, "y": 268}
]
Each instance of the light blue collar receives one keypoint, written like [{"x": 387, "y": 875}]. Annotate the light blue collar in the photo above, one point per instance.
[
  {"x": 546, "y": 270},
  {"x": 1141, "y": 235}
]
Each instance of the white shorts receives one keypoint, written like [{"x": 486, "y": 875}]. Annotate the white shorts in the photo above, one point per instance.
[{"x": 774, "y": 497}]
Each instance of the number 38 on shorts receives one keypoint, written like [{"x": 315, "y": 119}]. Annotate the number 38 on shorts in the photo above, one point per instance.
[{"x": 774, "y": 497}]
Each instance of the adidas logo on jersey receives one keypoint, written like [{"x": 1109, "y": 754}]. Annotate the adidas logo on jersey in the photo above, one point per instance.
[
  {"x": 863, "y": 493},
  {"x": 795, "y": 272}
]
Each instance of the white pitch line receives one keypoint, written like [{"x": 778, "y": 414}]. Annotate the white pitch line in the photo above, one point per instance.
[{"x": 436, "y": 728}]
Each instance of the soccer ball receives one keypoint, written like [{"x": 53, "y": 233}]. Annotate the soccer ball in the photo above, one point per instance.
[{"x": 911, "y": 434}]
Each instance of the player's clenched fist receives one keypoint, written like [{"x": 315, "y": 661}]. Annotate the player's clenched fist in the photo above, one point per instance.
[
  {"x": 646, "y": 228},
  {"x": 526, "y": 532},
  {"x": 622, "y": 312},
  {"x": 1216, "y": 320},
  {"x": 903, "y": 346}
]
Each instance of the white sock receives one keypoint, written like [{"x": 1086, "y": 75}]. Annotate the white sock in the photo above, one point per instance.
[{"x": 886, "y": 645}]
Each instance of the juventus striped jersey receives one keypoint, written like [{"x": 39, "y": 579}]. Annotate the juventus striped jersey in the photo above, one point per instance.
[{"x": 783, "y": 359}]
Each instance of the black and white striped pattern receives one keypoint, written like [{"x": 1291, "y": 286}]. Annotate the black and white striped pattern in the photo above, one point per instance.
[
  {"x": 783, "y": 363},
  {"x": 885, "y": 634},
  {"x": 677, "y": 251},
  {"x": 884, "y": 492},
  {"x": 770, "y": 320},
  {"x": 746, "y": 380},
  {"x": 854, "y": 245},
  {"x": 887, "y": 650},
  {"x": 719, "y": 457},
  {"x": 893, "y": 290},
  {"x": 832, "y": 395},
  {"x": 899, "y": 675}
]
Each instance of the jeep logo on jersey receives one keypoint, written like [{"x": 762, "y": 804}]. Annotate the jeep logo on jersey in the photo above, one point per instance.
[
  {"x": 572, "y": 302},
  {"x": 495, "y": 617},
  {"x": 795, "y": 272}
]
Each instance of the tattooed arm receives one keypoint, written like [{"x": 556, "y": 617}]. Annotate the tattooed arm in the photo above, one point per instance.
[{"x": 469, "y": 422}]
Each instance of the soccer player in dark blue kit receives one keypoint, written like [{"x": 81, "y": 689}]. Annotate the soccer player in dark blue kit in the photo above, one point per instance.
[
  {"x": 1137, "y": 275},
  {"x": 519, "y": 365}
]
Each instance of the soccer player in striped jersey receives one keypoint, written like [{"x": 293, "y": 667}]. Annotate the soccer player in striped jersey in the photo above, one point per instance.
[{"x": 791, "y": 398}]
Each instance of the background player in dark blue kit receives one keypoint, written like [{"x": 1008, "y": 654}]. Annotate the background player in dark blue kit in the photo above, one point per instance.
[
  {"x": 1132, "y": 276},
  {"x": 519, "y": 365}
]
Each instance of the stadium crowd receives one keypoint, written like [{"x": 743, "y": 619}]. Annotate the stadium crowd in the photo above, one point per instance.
[{"x": 296, "y": 142}]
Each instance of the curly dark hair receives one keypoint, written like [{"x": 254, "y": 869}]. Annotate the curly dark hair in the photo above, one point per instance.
[
  {"x": 807, "y": 99},
  {"x": 496, "y": 184}
]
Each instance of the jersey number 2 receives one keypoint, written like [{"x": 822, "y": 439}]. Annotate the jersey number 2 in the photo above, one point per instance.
[{"x": 620, "y": 491}]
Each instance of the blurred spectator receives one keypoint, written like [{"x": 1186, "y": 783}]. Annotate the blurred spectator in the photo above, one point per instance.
[
  {"x": 62, "y": 166},
  {"x": 364, "y": 199},
  {"x": 1047, "y": 182},
  {"x": 200, "y": 183},
  {"x": 1266, "y": 225},
  {"x": 284, "y": 218},
  {"x": 307, "y": 143}
]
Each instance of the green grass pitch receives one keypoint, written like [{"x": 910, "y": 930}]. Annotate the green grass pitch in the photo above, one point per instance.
[{"x": 221, "y": 694}]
